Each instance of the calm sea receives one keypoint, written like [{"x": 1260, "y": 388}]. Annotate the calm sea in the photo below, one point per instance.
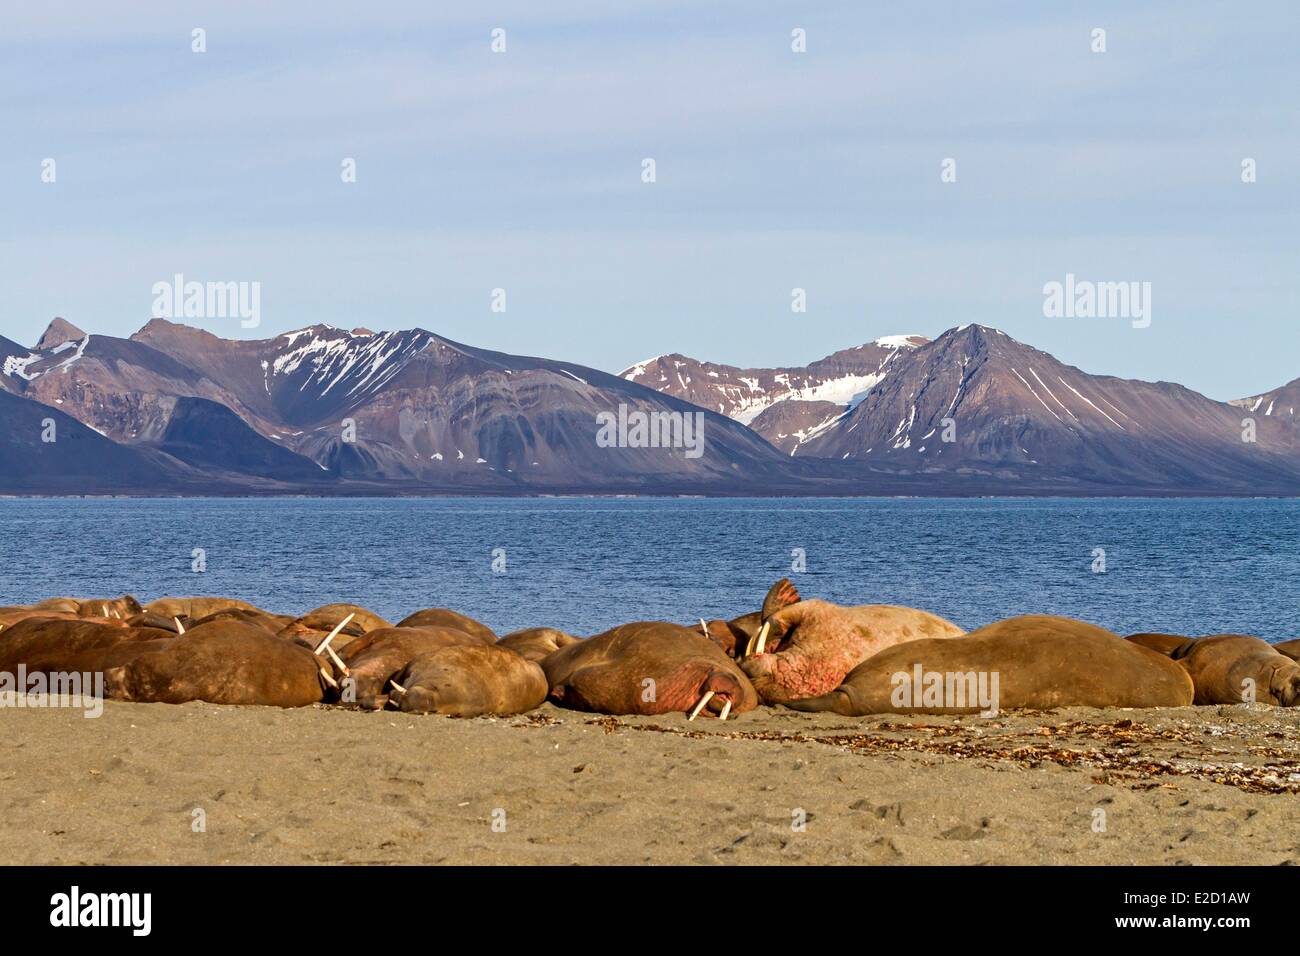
[{"x": 1189, "y": 567}]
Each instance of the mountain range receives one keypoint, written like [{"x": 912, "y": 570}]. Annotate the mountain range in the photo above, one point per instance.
[{"x": 178, "y": 410}]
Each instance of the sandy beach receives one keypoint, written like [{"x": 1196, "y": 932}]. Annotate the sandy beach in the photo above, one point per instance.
[{"x": 1209, "y": 785}]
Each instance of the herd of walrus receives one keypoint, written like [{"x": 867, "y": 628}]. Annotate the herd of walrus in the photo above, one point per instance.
[{"x": 808, "y": 655}]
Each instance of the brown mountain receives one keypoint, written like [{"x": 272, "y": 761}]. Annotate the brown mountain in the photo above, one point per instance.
[
  {"x": 1018, "y": 413},
  {"x": 427, "y": 411}
]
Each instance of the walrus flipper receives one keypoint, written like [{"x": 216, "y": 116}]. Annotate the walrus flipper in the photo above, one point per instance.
[
  {"x": 782, "y": 594},
  {"x": 836, "y": 701}
]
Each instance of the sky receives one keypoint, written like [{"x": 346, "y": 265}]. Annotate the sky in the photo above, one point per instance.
[{"x": 522, "y": 170}]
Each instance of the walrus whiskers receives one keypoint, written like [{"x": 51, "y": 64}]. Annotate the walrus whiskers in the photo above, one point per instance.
[
  {"x": 179, "y": 626},
  {"x": 726, "y": 709},
  {"x": 700, "y": 706}
]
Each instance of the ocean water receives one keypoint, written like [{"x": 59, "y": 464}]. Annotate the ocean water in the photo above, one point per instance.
[{"x": 585, "y": 564}]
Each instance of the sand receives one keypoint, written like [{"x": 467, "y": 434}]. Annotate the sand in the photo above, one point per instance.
[{"x": 1211, "y": 785}]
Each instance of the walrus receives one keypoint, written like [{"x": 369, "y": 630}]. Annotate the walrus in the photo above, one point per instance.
[
  {"x": 194, "y": 607},
  {"x": 807, "y": 648},
  {"x": 1036, "y": 661},
  {"x": 77, "y": 644},
  {"x": 1290, "y": 648},
  {"x": 10, "y": 616},
  {"x": 66, "y": 604},
  {"x": 739, "y": 633},
  {"x": 1173, "y": 646},
  {"x": 443, "y": 617},
  {"x": 470, "y": 680},
  {"x": 649, "y": 667},
  {"x": 325, "y": 617},
  {"x": 534, "y": 643},
  {"x": 121, "y": 608},
  {"x": 1235, "y": 669},
  {"x": 264, "y": 619},
  {"x": 223, "y": 662},
  {"x": 156, "y": 621},
  {"x": 376, "y": 658}
]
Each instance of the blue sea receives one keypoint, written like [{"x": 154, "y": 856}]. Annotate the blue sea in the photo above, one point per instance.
[{"x": 585, "y": 564}]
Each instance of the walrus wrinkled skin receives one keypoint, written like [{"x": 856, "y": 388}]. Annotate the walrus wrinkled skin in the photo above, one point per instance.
[
  {"x": 443, "y": 617},
  {"x": 817, "y": 643},
  {"x": 1041, "y": 661},
  {"x": 471, "y": 680},
  {"x": 194, "y": 607},
  {"x": 378, "y": 657},
  {"x": 650, "y": 667},
  {"x": 733, "y": 636},
  {"x": 79, "y": 644},
  {"x": 536, "y": 643},
  {"x": 224, "y": 662},
  {"x": 1234, "y": 668},
  {"x": 1173, "y": 646}
]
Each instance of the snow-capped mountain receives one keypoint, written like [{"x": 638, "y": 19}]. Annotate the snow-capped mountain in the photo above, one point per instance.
[
  {"x": 425, "y": 409},
  {"x": 1281, "y": 402},
  {"x": 810, "y": 396},
  {"x": 976, "y": 400}
]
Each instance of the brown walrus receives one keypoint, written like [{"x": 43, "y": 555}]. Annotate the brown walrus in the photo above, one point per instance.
[
  {"x": 535, "y": 643},
  {"x": 470, "y": 680},
  {"x": 264, "y": 619},
  {"x": 1290, "y": 648},
  {"x": 1171, "y": 645},
  {"x": 739, "y": 633},
  {"x": 120, "y": 608},
  {"x": 325, "y": 617},
  {"x": 807, "y": 648},
  {"x": 224, "y": 662},
  {"x": 444, "y": 617},
  {"x": 378, "y": 657},
  {"x": 1235, "y": 669},
  {"x": 155, "y": 621},
  {"x": 10, "y": 616},
  {"x": 194, "y": 607},
  {"x": 650, "y": 667},
  {"x": 77, "y": 644},
  {"x": 1036, "y": 661}
]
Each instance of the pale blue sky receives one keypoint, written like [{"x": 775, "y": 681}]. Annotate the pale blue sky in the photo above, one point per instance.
[{"x": 522, "y": 170}]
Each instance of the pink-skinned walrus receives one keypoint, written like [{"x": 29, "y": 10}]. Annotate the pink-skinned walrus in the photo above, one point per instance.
[
  {"x": 807, "y": 648},
  {"x": 650, "y": 667}
]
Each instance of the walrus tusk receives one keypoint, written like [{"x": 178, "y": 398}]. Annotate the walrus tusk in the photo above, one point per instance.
[
  {"x": 760, "y": 641},
  {"x": 179, "y": 626},
  {"x": 338, "y": 662},
  {"x": 704, "y": 627},
  {"x": 700, "y": 706},
  {"x": 329, "y": 679},
  {"x": 726, "y": 709},
  {"x": 334, "y": 633},
  {"x": 397, "y": 687}
]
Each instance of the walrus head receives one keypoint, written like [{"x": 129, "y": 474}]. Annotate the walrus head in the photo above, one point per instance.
[
  {"x": 759, "y": 635},
  {"x": 718, "y": 692},
  {"x": 1284, "y": 684}
]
